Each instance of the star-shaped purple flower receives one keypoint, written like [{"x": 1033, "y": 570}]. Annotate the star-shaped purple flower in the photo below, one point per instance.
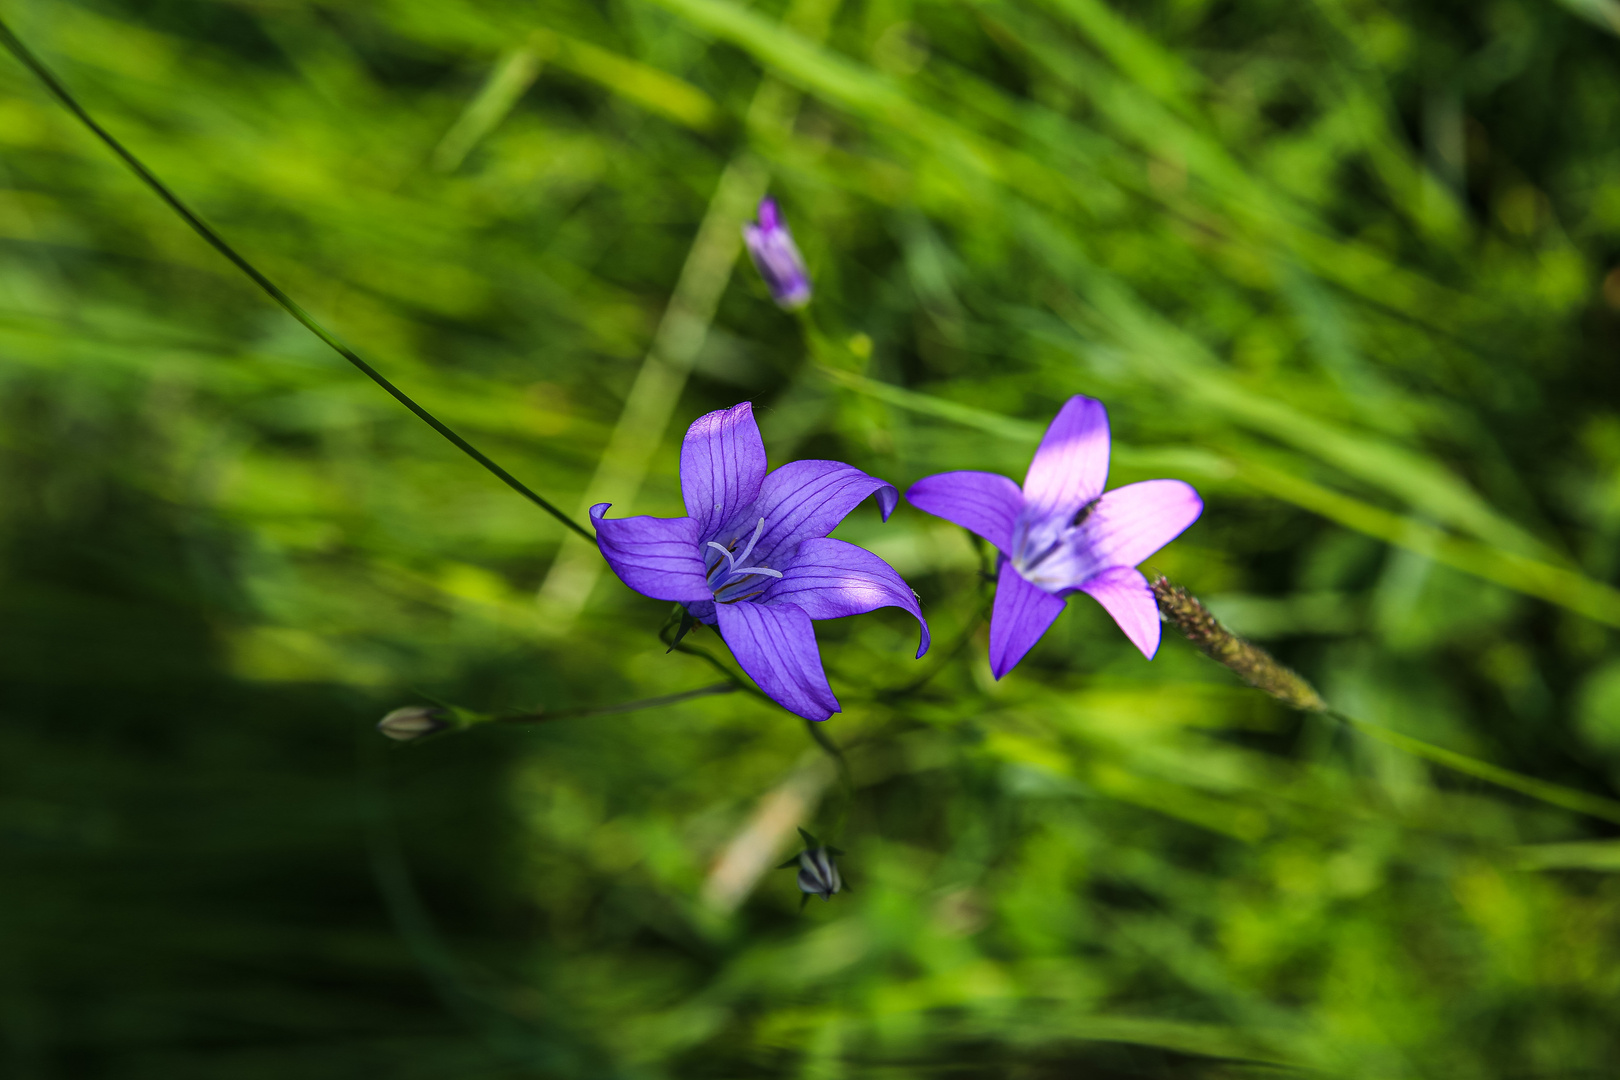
[
  {"x": 1061, "y": 534},
  {"x": 752, "y": 556}
]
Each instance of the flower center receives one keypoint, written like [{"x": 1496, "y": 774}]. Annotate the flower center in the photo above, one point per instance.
[
  {"x": 1042, "y": 553},
  {"x": 729, "y": 576}
]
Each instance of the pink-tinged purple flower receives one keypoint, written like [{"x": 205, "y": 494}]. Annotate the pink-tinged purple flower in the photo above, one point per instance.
[
  {"x": 1062, "y": 534},
  {"x": 777, "y": 257},
  {"x": 753, "y": 559}
]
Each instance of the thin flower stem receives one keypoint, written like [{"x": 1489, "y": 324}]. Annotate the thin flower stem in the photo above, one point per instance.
[
  {"x": 736, "y": 680},
  {"x": 846, "y": 776},
  {"x": 819, "y": 736},
  {"x": 943, "y": 660},
  {"x": 985, "y": 579},
  {"x": 629, "y": 706},
  {"x": 27, "y": 58}
]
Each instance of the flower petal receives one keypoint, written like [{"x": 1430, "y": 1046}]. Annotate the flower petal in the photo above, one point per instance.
[
  {"x": 722, "y": 466},
  {"x": 829, "y": 579},
  {"x": 805, "y": 499},
  {"x": 1124, "y": 593},
  {"x": 1071, "y": 465},
  {"x": 1022, "y": 613},
  {"x": 776, "y": 645},
  {"x": 1132, "y": 522},
  {"x": 657, "y": 557},
  {"x": 981, "y": 502}
]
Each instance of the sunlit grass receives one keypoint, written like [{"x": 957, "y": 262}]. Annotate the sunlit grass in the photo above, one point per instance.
[{"x": 1340, "y": 267}]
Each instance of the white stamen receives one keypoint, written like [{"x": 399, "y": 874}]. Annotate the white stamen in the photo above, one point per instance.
[
  {"x": 733, "y": 577},
  {"x": 749, "y": 550},
  {"x": 722, "y": 550}
]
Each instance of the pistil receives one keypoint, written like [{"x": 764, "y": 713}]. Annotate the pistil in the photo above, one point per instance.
[{"x": 730, "y": 582}]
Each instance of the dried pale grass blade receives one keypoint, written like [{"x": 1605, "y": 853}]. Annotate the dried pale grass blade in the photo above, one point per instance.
[{"x": 756, "y": 848}]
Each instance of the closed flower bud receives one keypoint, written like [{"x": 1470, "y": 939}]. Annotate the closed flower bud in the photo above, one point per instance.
[
  {"x": 414, "y": 722},
  {"x": 777, "y": 257},
  {"x": 818, "y": 873}
]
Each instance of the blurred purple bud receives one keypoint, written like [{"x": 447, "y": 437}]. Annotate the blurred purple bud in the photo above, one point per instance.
[
  {"x": 777, "y": 257},
  {"x": 414, "y": 722}
]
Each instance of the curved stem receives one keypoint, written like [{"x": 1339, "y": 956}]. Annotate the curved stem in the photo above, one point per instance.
[
  {"x": 845, "y": 776},
  {"x": 27, "y": 58},
  {"x": 628, "y": 706},
  {"x": 714, "y": 662},
  {"x": 944, "y": 660}
]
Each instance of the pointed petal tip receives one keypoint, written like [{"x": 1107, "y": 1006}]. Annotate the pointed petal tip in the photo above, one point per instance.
[
  {"x": 1070, "y": 467},
  {"x": 722, "y": 465},
  {"x": 1124, "y": 593},
  {"x": 776, "y": 646},
  {"x": 657, "y": 557},
  {"x": 888, "y": 497},
  {"x": 831, "y": 579},
  {"x": 807, "y": 499},
  {"x": 924, "y": 638}
]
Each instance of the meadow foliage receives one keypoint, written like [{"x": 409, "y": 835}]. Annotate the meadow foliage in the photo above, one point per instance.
[{"x": 1345, "y": 267}]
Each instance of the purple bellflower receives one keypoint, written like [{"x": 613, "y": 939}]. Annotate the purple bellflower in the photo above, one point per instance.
[
  {"x": 777, "y": 257},
  {"x": 1062, "y": 534},
  {"x": 753, "y": 559}
]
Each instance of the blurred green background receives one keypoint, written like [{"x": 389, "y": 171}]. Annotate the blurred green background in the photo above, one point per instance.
[{"x": 1345, "y": 265}]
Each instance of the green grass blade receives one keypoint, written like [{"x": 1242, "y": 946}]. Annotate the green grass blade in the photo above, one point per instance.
[{"x": 26, "y": 57}]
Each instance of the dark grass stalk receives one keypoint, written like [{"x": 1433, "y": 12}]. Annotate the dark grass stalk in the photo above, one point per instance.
[
  {"x": 26, "y": 57},
  {"x": 543, "y": 715},
  {"x": 1261, "y": 670},
  {"x": 415, "y": 723},
  {"x": 715, "y": 662}
]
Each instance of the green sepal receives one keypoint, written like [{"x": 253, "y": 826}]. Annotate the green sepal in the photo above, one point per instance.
[{"x": 688, "y": 624}]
